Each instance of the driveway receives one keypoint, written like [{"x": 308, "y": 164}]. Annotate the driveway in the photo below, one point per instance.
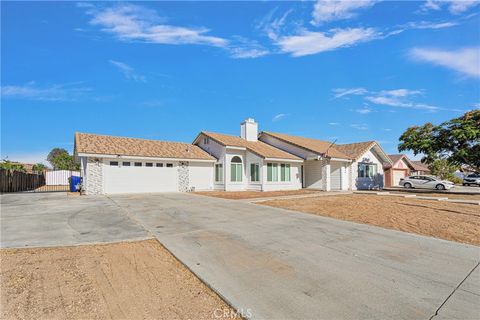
[
  {"x": 268, "y": 262},
  {"x": 288, "y": 265},
  {"x": 55, "y": 219}
]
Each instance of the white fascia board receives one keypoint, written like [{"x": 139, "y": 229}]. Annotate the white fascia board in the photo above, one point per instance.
[
  {"x": 314, "y": 158},
  {"x": 340, "y": 159},
  {"x": 115, "y": 156},
  {"x": 283, "y": 160},
  {"x": 236, "y": 148}
]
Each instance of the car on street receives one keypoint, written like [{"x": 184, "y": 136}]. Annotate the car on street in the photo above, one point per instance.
[
  {"x": 426, "y": 182},
  {"x": 472, "y": 179}
]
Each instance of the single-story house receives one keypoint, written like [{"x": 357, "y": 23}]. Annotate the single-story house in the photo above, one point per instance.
[
  {"x": 328, "y": 166},
  {"x": 126, "y": 165},
  {"x": 420, "y": 168},
  {"x": 215, "y": 161},
  {"x": 401, "y": 167},
  {"x": 245, "y": 163}
]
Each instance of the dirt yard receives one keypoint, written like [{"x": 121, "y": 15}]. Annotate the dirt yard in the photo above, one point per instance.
[
  {"x": 238, "y": 195},
  {"x": 451, "y": 221},
  {"x": 444, "y": 195},
  {"x": 135, "y": 280}
]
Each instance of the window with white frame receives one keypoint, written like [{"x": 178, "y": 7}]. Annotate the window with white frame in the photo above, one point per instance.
[
  {"x": 284, "y": 172},
  {"x": 148, "y": 164},
  {"x": 159, "y": 165},
  {"x": 114, "y": 163},
  {"x": 272, "y": 172},
  {"x": 367, "y": 170},
  {"x": 125, "y": 163},
  {"x": 254, "y": 172},
  {"x": 218, "y": 172},
  {"x": 236, "y": 169},
  {"x": 138, "y": 164}
]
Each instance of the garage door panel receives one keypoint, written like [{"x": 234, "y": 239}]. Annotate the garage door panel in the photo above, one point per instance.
[
  {"x": 133, "y": 179},
  {"x": 397, "y": 175},
  {"x": 335, "y": 176}
]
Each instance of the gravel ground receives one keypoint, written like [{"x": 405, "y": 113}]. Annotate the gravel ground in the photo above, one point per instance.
[
  {"x": 130, "y": 280},
  {"x": 450, "y": 221}
]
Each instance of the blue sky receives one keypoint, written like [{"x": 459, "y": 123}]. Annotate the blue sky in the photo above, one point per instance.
[{"x": 345, "y": 71}]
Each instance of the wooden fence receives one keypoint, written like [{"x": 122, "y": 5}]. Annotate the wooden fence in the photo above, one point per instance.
[{"x": 16, "y": 181}]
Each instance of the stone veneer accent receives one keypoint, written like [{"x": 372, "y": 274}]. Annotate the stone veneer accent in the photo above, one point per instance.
[
  {"x": 94, "y": 178},
  {"x": 325, "y": 174},
  {"x": 183, "y": 176}
]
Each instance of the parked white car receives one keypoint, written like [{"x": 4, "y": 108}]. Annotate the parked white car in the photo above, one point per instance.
[
  {"x": 472, "y": 179},
  {"x": 425, "y": 182}
]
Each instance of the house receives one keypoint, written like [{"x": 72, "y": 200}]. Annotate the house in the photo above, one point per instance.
[
  {"x": 328, "y": 166},
  {"x": 420, "y": 168},
  {"x": 125, "y": 165},
  {"x": 245, "y": 163},
  {"x": 215, "y": 161},
  {"x": 401, "y": 167}
]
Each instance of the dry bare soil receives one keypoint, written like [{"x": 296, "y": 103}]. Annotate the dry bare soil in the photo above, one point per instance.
[
  {"x": 130, "y": 280},
  {"x": 450, "y": 221},
  {"x": 238, "y": 195}
]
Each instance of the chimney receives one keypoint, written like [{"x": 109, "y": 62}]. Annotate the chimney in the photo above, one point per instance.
[{"x": 249, "y": 130}]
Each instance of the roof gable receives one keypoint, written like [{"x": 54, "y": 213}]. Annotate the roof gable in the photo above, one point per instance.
[
  {"x": 258, "y": 147},
  {"x": 110, "y": 145},
  {"x": 320, "y": 147}
]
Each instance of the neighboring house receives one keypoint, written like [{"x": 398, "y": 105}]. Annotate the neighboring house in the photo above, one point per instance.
[
  {"x": 400, "y": 168},
  {"x": 126, "y": 165},
  {"x": 419, "y": 168},
  {"x": 244, "y": 163},
  {"x": 334, "y": 167},
  {"x": 252, "y": 161}
]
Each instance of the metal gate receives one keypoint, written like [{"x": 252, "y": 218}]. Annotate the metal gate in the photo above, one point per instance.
[{"x": 45, "y": 181}]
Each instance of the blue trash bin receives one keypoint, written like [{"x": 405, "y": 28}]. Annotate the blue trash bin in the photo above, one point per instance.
[{"x": 75, "y": 183}]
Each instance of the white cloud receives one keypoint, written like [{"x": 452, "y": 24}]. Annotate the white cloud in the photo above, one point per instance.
[
  {"x": 341, "y": 92},
  {"x": 465, "y": 61},
  {"x": 279, "y": 116},
  {"x": 454, "y": 6},
  {"x": 363, "y": 110},
  {"x": 57, "y": 92},
  {"x": 400, "y": 92},
  {"x": 135, "y": 23},
  {"x": 128, "y": 71},
  {"x": 432, "y": 25},
  {"x": 244, "y": 48},
  {"x": 308, "y": 42},
  {"x": 334, "y": 123},
  {"x": 331, "y": 10},
  {"x": 359, "y": 126},
  {"x": 396, "y": 102}
]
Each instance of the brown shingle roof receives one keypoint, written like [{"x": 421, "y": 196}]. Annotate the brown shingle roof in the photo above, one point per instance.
[
  {"x": 317, "y": 146},
  {"x": 395, "y": 157},
  {"x": 355, "y": 150},
  {"x": 100, "y": 144},
  {"x": 419, "y": 166},
  {"x": 260, "y": 148}
]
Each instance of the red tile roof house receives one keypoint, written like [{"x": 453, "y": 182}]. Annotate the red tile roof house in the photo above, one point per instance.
[{"x": 215, "y": 161}]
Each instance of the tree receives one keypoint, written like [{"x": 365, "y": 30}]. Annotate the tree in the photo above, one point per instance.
[
  {"x": 457, "y": 141},
  {"x": 39, "y": 167},
  {"x": 443, "y": 169},
  {"x": 9, "y": 165},
  {"x": 61, "y": 160}
]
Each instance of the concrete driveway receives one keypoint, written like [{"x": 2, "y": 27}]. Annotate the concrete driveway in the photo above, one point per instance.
[
  {"x": 280, "y": 264},
  {"x": 55, "y": 219},
  {"x": 270, "y": 263}
]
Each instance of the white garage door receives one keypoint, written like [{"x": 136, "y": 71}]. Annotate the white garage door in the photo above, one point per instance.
[
  {"x": 397, "y": 175},
  {"x": 335, "y": 176},
  {"x": 137, "y": 179}
]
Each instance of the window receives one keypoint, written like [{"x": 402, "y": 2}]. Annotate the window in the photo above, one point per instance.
[
  {"x": 126, "y": 164},
  {"x": 114, "y": 163},
  {"x": 138, "y": 164},
  {"x": 284, "y": 172},
  {"x": 148, "y": 164},
  {"x": 159, "y": 165},
  {"x": 236, "y": 169},
  {"x": 218, "y": 172},
  {"x": 367, "y": 170},
  {"x": 206, "y": 140},
  {"x": 169, "y": 165},
  {"x": 254, "y": 172},
  {"x": 272, "y": 172}
]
